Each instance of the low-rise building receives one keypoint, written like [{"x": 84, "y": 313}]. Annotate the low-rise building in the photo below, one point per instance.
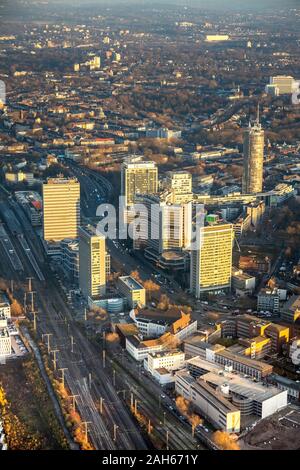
[
  {"x": 242, "y": 283},
  {"x": 213, "y": 405},
  {"x": 154, "y": 323},
  {"x": 125, "y": 330},
  {"x": 248, "y": 326},
  {"x": 257, "y": 347},
  {"x": 4, "y": 306},
  {"x": 286, "y": 384},
  {"x": 19, "y": 177},
  {"x": 170, "y": 360},
  {"x": 5, "y": 342},
  {"x": 233, "y": 394},
  {"x": 268, "y": 300},
  {"x": 291, "y": 309},
  {"x": 134, "y": 292},
  {"x": 279, "y": 336},
  {"x": 170, "y": 340},
  {"x": 243, "y": 365},
  {"x": 251, "y": 398},
  {"x": 139, "y": 349},
  {"x": 196, "y": 345}
]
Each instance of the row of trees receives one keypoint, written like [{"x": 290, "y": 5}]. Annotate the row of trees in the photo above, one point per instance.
[{"x": 72, "y": 418}]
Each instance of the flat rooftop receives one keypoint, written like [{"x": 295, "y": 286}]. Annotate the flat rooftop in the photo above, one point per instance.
[
  {"x": 175, "y": 352},
  {"x": 61, "y": 180},
  {"x": 131, "y": 283},
  {"x": 159, "y": 316},
  {"x": 220, "y": 401},
  {"x": 127, "y": 329},
  {"x": 141, "y": 164},
  {"x": 261, "y": 366},
  {"x": 90, "y": 230},
  {"x": 241, "y": 386},
  {"x": 286, "y": 382},
  {"x": 203, "y": 364},
  {"x": 197, "y": 339}
]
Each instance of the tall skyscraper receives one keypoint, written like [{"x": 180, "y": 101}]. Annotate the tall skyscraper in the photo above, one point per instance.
[
  {"x": 254, "y": 138},
  {"x": 92, "y": 262},
  {"x": 61, "y": 209},
  {"x": 138, "y": 177},
  {"x": 165, "y": 231},
  {"x": 169, "y": 225},
  {"x": 211, "y": 260}
]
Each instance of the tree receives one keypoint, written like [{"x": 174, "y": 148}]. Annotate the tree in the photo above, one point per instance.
[
  {"x": 151, "y": 287},
  {"x": 16, "y": 308},
  {"x": 136, "y": 275},
  {"x": 225, "y": 441},
  {"x": 164, "y": 302}
]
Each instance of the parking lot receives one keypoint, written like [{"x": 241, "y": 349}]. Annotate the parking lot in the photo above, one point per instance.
[{"x": 18, "y": 346}]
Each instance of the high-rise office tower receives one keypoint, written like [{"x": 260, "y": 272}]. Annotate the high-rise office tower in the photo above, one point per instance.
[
  {"x": 61, "y": 209},
  {"x": 254, "y": 138},
  {"x": 180, "y": 185},
  {"x": 138, "y": 177},
  {"x": 169, "y": 225},
  {"x": 211, "y": 259},
  {"x": 92, "y": 262},
  {"x": 165, "y": 231}
]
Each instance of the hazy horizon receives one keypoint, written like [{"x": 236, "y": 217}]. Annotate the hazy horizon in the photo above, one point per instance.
[{"x": 255, "y": 5}]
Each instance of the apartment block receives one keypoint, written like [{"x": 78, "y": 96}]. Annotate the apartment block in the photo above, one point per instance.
[{"x": 134, "y": 292}]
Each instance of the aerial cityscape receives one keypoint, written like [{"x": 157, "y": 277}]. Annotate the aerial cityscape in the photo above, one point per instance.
[{"x": 150, "y": 226}]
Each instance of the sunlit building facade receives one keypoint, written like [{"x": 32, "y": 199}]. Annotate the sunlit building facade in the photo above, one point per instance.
[
  {"x": 254, "y": 138},
  {"x": 92, "y": 262},
  {"x": 61, "y": 209},
  {"x": 211, "y": 260}
]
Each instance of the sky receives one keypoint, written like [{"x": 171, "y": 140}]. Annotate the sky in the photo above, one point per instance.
[
  {"x": 207, "y": 4},
  {"x": 243, "y": 6}
]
